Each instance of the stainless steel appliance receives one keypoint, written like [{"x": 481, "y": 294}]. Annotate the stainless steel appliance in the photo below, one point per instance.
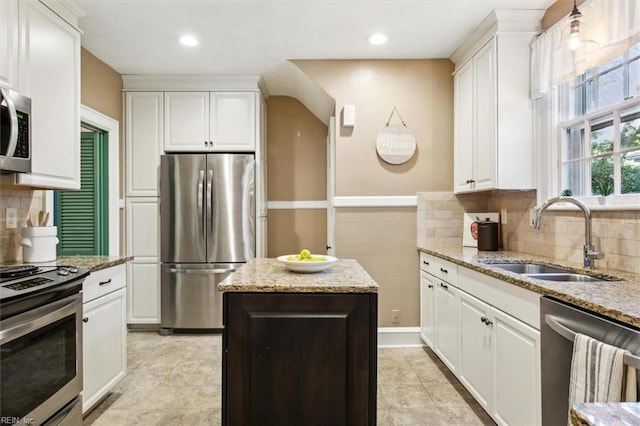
[
  {"x": 15, "y": 132},
  {"x": 41, "y": 345},
  {"x": 207, "y": 216},
  {"x": 559, "y": 323}
]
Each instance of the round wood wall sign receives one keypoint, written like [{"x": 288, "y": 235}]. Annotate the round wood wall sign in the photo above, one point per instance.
[{"x": 396, "y": 144}]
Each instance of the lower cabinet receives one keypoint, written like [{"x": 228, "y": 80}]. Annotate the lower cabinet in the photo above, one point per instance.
[
  {"x": 299, "y": 359},
  {"x": 104, "y": 330},
  {"x": 474, "y": 329},
  {"x": 427, "y": 308}
]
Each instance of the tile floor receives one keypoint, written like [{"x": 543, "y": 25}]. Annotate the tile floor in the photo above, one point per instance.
[{"x": 176, "y": 380}]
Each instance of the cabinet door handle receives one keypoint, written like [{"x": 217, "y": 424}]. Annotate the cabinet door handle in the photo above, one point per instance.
[
  {"x": 443, "y": 285},
  {"x": 105, "y": 282},
  {"x": 425, "y": 262},
  {"x": 85, "y": 319},
  {"x": 444, "y": 270},
  {"x": 486, "y": 320},
  {"x": 430, "y": 285}
]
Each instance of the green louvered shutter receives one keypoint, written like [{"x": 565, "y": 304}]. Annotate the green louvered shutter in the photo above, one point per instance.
[{"x": 81, "y": 216}]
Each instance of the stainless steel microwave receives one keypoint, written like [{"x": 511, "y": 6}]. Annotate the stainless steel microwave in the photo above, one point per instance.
[{"x": 15, "y": 132}]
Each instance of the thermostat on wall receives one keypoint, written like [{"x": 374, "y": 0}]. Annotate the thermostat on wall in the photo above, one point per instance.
[{"x": 348, "y": 116}]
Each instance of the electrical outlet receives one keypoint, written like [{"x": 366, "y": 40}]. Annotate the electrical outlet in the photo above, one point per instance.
[
  {"x": 532, "y": 216},
  {"x": 503, "y": 216},
  {"x": 395, "y": 316},
  {"x": 12, "y": 218}
]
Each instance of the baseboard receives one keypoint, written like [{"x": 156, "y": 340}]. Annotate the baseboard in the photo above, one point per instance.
[{"x": 395, "y": 337}]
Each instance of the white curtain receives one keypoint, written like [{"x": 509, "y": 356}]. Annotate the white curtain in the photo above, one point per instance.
[{"x": 613, "y": 24}]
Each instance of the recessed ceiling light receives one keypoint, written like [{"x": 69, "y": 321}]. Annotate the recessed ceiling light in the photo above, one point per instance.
[
  {"x": 377, "y": 38},
  {"x": 188, "y": 40}
]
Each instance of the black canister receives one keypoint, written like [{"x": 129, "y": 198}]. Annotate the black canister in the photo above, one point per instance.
[{"x": 488, "y": 238}]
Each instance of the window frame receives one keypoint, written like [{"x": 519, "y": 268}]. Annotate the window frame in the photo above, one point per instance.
[{"x": 566, "y": 108}]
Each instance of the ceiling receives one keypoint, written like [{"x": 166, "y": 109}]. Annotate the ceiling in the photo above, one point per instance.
[{"x": 257, "y": 37}]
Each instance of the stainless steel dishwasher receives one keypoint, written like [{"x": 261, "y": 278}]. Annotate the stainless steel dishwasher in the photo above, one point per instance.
[{"x": 559, "y": 322}]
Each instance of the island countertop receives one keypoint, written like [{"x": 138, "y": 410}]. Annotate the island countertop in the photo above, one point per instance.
[{"x": 270, "y": 276}]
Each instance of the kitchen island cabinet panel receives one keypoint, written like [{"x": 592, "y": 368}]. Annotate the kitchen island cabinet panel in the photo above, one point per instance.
[{"x": 292, "y": 359}]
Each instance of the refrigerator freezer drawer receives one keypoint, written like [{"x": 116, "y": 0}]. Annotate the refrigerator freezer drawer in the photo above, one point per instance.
[{"x": 189, "y": 296}]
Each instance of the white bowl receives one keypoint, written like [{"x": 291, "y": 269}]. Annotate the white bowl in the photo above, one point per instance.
[{"x": 306, "y": 266}]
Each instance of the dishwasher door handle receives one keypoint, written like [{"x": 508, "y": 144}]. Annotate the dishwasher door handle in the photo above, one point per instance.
[{"x": 567, "y": 333}]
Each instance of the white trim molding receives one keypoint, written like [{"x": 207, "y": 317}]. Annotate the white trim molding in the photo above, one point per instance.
[
  {"x": 290, "y": 205},
  {"x": 399, "y": 337},
  {"x": 375, "y": 201}
]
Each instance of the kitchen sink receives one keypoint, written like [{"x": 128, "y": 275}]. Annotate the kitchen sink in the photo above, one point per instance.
[
  {"x": 566, "y": 277},
  {"x": 548, "y": 273},
  {"x": 528, "y": 268}
]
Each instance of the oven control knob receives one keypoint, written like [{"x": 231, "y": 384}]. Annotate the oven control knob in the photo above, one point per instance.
[
  {"x": 63, "y": 272},
  {"x": 73, "y": 269}
]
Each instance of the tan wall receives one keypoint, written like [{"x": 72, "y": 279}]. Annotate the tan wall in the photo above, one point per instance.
[
  {"x": 292, "y": 230},
  {"x": 615, "y": 233},
  {"x": 383, "y": 240},
  {"x": 422, "y": 90},
  {"x": 100, "y": 86},
  {"x": 296, "y": 152}
]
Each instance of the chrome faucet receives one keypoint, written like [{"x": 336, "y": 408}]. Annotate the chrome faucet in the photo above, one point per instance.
[{"x": 590, "y": 253}]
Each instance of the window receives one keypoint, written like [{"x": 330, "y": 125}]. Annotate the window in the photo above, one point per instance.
[{"x": 600, "y": 137}]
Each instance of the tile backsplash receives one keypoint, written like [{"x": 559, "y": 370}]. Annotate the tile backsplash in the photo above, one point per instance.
[
  {"x": 26, "y": 202},
  {"x": 561, "y": 237}
]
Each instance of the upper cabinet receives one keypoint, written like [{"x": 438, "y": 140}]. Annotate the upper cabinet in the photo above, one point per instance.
[
  {"x": 493, "y": 134},
  {"x": 49, "y": 73},
  {"x": 143, "y": 141},
  {"x": 210, "y": 121},
  {"x": 9, "y": 44}
]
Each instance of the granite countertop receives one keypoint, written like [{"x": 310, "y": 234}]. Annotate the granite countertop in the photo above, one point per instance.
[
  {"x": 93, "y": 263},
  {"x": 594, "y": 413},
  {"x": 616, "y": 299},
  {"x": 270, "y": 276}
]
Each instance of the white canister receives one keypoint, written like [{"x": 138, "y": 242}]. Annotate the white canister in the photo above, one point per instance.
[{"x": 39, "y": 244}]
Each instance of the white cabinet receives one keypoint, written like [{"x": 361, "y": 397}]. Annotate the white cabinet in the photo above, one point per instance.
[
  {"x": 476, "y": 348},
  {"x": 9, "y": 44},
  {"x": 447, "y": 324},
  {"x": 439, "y": 316},
  {"x": 486, "y": 331},
  {"x": 49, "y": 73},
  {"x": 500, "y": 359},
  {"x": 427, "y": 308},
  {"x": 144, "y": 142},
  {"x": 104, "y": 342},
  {"x": 493, "y": 141},
  {"x": 143, "y": 242},
  {"x": 210, "y": 121}
]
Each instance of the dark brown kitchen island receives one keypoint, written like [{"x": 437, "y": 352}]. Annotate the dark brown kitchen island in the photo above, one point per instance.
[{"x": 299, "y": 349}]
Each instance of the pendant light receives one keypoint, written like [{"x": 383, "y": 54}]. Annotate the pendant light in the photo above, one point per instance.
[{"x": 576, "y": 33}]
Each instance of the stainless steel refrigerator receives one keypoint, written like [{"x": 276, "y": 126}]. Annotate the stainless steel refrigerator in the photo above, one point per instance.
[{"x": 207, "y": 217}]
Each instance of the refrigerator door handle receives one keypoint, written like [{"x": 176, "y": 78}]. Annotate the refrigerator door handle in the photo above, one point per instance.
[
  {"x": 201, "y": 271},
  {"x": 200, "y": 195},
  {"x": 209, "y": 194}
]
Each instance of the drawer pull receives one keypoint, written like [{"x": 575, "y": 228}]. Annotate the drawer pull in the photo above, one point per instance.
[
  {"x": 425, "y": 262},
  {"x": 85, "y": 319},
  {"x": 444, "y": 270},
  {"x": 105, "y": 282},
  {"x": 486, "y": 320},
  {"x": 443, "y": 285}
]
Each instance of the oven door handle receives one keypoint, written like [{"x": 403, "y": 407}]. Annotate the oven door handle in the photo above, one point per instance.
[{"x": 37, "y": 318}]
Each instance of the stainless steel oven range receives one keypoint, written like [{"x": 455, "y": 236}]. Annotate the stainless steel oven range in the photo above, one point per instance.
[{"x": 41, "y": 345}]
